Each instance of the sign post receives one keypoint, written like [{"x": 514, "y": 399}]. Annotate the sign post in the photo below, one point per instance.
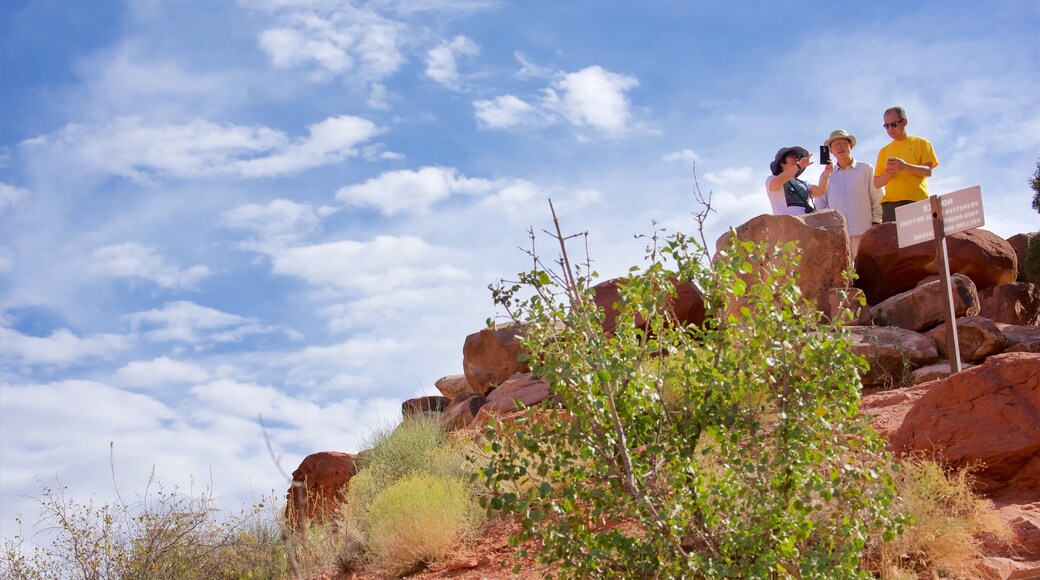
[{"x": 951, "y": 213}]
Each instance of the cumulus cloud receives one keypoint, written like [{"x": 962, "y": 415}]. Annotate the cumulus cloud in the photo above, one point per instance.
[
  {"x": 504, "y": 112},
  {"x": 590, "y": 98},
  {"x": 159, "y": 372},
  {"x": 184, "y": 321},
  {"x": 11, "y": 196},
  {"x": 407, "y": 190},
  {"x": 133, "y": 148},
  {"x": 61, "y": 347},
  {"x": 441, "y": 64},
  {"x": 280, "y": 220},
  {"x": 593, "y": 97},
  {"x": 335, "y": 42},
  {"x": 379, "y": 265},
  {"x": 135, "y": 260}
]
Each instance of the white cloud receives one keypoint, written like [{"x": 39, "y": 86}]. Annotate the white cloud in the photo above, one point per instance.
[
  {"x": 407, "y": 190},
  {"x": 186, "y": 322},
  {"x": 441, "y": 64},
  {"x": 135, "y": 260},
  {"x": 383, "y": 264},
  {"x": 530, "y": 70},
  {"x": 504, "y": 111},
  {"x": 733, "y": 176},
  {"x": 159, "y": 372},
  {"x": 281, "y": 220},
  {"x": 61, "y": 347},
  {"x": 593, "y": 97},
  {"x": 346, "y": 41},
  {"x": 684, "y": 156},
  {"x": 132, "y": 148},
  {"x": 11, "y": 196}
]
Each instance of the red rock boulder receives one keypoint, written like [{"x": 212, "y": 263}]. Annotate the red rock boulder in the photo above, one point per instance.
[
  {"x": 1020, "y": 242},
  {"x": 525, "y": 389},
  {"x": 885, "y": 269},
  {"x": 431, "y": 406},
  {"x": 986, "y": 416},
  {"x": 892, "y": 353},
  {"x": 1014, "y": 303},
  {"x": 462, "y": 410},
  {"x": 822, "y": 237},
  {"x": 924, "y": 307},
  {"x": 844, "y": 302},
  {"x": 977, "y": 337},
  {"x": 452, "y": 386},
  {"x": 318, "y": 485},
  {"x": 686, "y": 307},
  {"x": 491, "y": 356}
]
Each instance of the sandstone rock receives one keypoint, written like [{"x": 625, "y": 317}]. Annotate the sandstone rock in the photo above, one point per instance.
[
  {"x": 1020, "y": 338},
  {"x": 318, "y": 485},
  {"x": 462, "y": 410},
  {"x": 686, "y": 307},
  {"x": 887, "y": 409},
  {"x": 977, "y": 337},
  {"x": 934, "y": 372},
  {"x": 1021, "y": 559},
  {"x": 822, "y": 237},
  {"x": 1013, "y": 303},
  {"x": 893, "y": 353},
  {"x": 452, "y": 386},
  {"x": 886, "y": 270},
  {"x": 922, "y": 307},
  {"x": 988, "y": 415},
  {"x": 524, "y": 388},
  {"x": 490, "y": 357},
  {"x": 836, "y": 300},
  {"x": 1019, "y": 242},
  {"x": 427, "y": 406}
]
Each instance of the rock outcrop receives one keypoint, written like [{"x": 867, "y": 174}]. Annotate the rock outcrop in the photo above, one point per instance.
[
  {"x": 922, "y": 307},
  {"x": 885, "y": 269},
  {"x": 1014, "y": 303},
  {"x": 491, "y": 356},
  {"x": 977, "y": 338}
]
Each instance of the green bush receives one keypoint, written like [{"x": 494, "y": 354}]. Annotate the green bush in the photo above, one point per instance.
[
  {"x": 1032, "y": 260},
  {"x": 740, "y": 452},
  {"x": 417, "y": 521}
]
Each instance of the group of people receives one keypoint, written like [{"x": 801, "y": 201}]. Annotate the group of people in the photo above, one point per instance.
[{"x": 854, "y": 187}]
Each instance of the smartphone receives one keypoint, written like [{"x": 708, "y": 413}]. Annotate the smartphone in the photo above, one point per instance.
[{"x": 825, "y": 155}]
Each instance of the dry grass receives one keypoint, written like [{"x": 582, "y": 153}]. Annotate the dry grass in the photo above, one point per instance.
[{"x": 948, "y": 519}]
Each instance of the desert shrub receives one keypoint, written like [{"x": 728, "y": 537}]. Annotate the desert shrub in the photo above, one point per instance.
[
  {"x": 1032, "y": 260},
  {"x": 741, "y": 454},
  {"x": 418, "y": 520},
  {"x": 947, "y": 519},
  {"x": 159, "y": 535}
]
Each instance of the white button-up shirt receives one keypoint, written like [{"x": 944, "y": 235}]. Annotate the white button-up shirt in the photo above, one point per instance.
[{"x": 851, "y": 191}]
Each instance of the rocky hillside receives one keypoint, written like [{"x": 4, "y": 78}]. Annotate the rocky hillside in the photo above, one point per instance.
[{"x": 987, "y": 415}]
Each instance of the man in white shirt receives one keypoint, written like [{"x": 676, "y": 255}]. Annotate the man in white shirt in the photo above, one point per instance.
[{"x": 850, "y": 189}]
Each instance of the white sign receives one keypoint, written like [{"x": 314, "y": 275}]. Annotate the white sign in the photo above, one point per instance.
[{"x": 961, "y": 210}]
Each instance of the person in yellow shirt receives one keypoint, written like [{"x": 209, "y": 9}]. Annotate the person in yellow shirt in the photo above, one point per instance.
[{"x": 903, "y": 166}]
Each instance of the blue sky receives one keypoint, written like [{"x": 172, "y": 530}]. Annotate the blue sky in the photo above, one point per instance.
[{"x": 212, "y": 212}]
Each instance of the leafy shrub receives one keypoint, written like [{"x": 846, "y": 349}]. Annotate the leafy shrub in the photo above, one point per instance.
[
  {"x": 742, "y": 454},
  {"x": 418, "y": 520}
]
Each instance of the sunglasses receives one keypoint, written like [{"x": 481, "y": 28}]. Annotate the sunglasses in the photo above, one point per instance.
[{"x": 893, "y": 125}]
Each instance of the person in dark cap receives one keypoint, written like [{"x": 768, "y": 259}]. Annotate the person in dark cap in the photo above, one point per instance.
[{"x": 787, "y": 194}]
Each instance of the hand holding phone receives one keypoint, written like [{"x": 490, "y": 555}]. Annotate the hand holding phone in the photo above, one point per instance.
[{"x": 825, "y": 155}]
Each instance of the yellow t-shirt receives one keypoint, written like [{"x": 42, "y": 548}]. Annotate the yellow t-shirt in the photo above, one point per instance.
[{"x": 904, "y": 186}]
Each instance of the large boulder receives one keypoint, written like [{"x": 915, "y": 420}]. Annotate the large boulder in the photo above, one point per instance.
[
  {"x": 452, "y": 386},
  {"x": 987, "y": 416},
  {"x": 1013, "y": 303},
  {"x": 1020, "y": 242},
  {"x": 977, "y": 337},
  {"x": 318, "y": 485},
  {"x": 923, "y": 307},
  {"x": 519, "y": 391},
  {"x": 686, "y": 307},
  {"x": 892, "y": 353},
  {"x": 1021, "y": 338},
  {"x": 430, "y": 406},
  {"x": 462, "y": 410},
  {"x": 822, "y": 237},
  {"x": 885, "y": 269},
  {"x": 491, "y": 356}
]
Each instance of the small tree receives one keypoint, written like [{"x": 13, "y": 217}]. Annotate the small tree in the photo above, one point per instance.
[
  {"x": 1034, "y": 183},
  {"x": 733, "y": 449}
]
